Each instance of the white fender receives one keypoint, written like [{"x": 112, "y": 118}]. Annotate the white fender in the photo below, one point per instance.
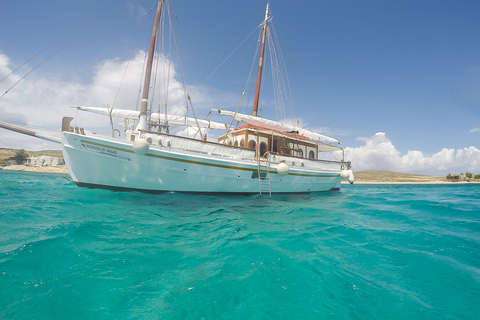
[
  {"x": 140, "y": 146},
  {"x": 351, "y": 178},
  {"x": 282, "y": 169},
  {"x": 344, "y": 174}
]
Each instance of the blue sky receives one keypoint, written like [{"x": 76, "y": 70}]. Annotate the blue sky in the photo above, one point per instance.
[{"x": 407, "y": 69}]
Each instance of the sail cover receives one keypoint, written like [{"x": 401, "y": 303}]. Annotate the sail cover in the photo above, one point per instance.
[
  {"x": 173, "y": 119},
  {"x": 117, "y": 113},
  {"x": 187, "y": 121},
  {"x": 275, "y": 125}
]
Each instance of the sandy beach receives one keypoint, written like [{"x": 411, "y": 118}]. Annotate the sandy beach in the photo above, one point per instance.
[
  {"x": 388, "y": 177},
  {"x": 413, "y": 182},
  {"x": 62, "y": 169}
]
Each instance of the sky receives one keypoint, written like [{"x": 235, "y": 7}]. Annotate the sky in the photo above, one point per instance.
[{"x": 397, "y": 82}]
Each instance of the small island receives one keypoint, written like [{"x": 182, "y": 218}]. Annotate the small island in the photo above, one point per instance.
[{"x": 388, "y": 177}]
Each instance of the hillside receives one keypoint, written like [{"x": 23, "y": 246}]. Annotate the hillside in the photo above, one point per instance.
[
  {"x": 8, "y": 153},
  {"x": 394, "y": 177}
]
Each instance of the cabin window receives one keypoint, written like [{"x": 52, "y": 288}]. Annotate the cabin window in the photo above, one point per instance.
[
  {"x": 263, "y": 149},
  {"x": 236, "y": 144},
  {"x": 242, "y": 143},
  {"x": 230, "y": 143},
  {"x": 311, "y": 154},
  {"x": 252, "y": 144},
  {"x": 300, "y": 153}
]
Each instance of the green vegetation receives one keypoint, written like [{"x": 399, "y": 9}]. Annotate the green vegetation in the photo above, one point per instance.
[
  {"x": 20, "y": 156},
  {"x": 6, "y": 154},
  {"x": 467, "y": 176}
]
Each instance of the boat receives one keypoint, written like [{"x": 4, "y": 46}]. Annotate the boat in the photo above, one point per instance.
[{"x": 256, "y": 156}]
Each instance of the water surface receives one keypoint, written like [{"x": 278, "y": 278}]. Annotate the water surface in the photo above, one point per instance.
[{"x": 367, "y": 252}]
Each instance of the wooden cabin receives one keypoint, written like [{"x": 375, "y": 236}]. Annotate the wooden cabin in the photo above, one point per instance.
[{"x": 262, "y": 140}]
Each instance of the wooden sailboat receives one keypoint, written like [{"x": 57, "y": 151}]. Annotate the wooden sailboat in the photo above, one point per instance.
[{"x": 261, "y": 156}]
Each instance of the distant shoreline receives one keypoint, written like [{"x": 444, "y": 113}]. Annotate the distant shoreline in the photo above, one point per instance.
[
  {"x": 412, "y": 182},
  {"x": 394, "y": 178},
  {"x": 61, "y": 169}
]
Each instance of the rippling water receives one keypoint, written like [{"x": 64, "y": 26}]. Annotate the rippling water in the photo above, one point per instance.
[{"x": 367, "y": 252}]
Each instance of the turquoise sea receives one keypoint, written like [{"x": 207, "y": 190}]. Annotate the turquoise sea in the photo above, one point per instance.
[{"x": 367, "y": 252}]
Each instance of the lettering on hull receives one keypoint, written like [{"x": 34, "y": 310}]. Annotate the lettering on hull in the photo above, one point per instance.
[{"x": 103, "y": 150}]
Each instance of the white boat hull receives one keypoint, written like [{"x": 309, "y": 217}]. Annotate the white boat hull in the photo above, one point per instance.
[{"x": 103, "y": 162}]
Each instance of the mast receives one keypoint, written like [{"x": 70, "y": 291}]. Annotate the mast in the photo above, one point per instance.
[
  {"x": 260, "y": 63},
  {"x": 142, "y": 124}
]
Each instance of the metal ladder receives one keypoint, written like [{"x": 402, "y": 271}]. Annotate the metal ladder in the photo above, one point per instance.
[{"x": 263, "y": 171}]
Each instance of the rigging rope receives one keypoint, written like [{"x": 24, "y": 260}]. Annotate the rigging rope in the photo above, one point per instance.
[
  {"x": 195, "y": 117},
  {"x": 80, "y": 33},
  {"x": 115, "y": 100},
  {"x": 181, "y": 71},
  {"x": 306, "y": 85},
  {"x": 229, "y": 56},
  {"x": 167, "y": 84},
  {"x": 289, "y": 87}
]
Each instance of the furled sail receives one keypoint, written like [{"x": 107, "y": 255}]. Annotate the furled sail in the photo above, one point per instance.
[
  {"x": 187, "y": 121},
  {"x": 173, "y": 119},
  {"x": 117, "y": 113},
  {"x": 275, "y": 125}
]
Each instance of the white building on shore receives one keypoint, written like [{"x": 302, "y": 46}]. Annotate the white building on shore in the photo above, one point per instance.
[{"x": 44, "y": 161}]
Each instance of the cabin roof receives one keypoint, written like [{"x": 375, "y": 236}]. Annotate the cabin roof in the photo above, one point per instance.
[{"x": 290, "y": 136}]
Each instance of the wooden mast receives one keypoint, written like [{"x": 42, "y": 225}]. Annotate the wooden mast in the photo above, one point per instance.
[
  {"x": 142, "y": 124},
  {"x": 260, "y": 63}
]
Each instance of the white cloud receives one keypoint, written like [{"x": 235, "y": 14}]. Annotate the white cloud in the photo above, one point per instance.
[
  {"x": 474, "y": 130},
  {"x": 379, "y": 153},
  {"x": 43, "y": 101},
  {"x": 192, "y": 132}
]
